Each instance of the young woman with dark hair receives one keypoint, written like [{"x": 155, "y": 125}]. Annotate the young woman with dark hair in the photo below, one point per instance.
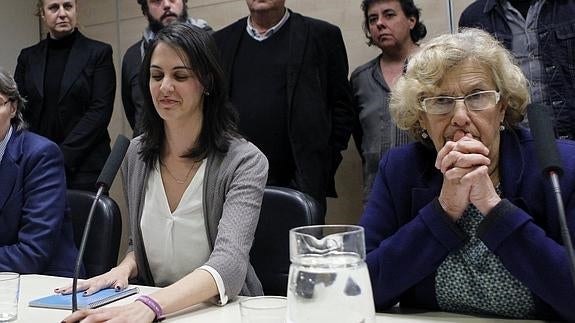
[{"x": 193, "y": 188}]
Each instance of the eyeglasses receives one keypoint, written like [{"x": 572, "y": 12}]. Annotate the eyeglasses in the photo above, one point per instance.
[{"x": 475, "y": 102}]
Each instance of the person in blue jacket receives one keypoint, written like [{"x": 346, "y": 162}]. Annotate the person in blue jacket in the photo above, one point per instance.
[
  {"x": 463, "y": 220},
  {"x": 35, "y": 229}
]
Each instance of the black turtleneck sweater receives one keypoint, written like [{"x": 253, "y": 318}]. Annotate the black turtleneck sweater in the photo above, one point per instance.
[{"x": 56, "y": 59}]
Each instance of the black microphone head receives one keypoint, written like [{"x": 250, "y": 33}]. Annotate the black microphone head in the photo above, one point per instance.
[
  {"x": 113, "y": 162},
  {"x": 541, "y": 126}
]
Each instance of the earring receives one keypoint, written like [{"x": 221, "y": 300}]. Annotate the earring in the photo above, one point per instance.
[
  {"x": 501, "y": 126},
  {"x": 424, "y": 134},
  {"x": 206, "y": 93}
]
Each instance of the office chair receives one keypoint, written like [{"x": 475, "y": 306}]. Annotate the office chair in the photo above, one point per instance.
[
  {"x": 282, "y": 209},
  {"x": 102, "y": 247}
]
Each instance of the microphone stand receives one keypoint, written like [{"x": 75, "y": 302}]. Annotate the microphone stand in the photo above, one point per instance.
[
  {"x": 103, "y": 183},
  {"x": 563, "y": 223},
  {"x": 83, "y": 246}
]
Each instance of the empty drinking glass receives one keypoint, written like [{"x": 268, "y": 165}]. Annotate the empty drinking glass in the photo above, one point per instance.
[
  {"x": 9, "y": 290},
  {"x": 263, "y": 309}
]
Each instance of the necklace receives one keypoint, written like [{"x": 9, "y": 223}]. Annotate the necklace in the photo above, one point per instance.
[{"x": 177, "y": 180}]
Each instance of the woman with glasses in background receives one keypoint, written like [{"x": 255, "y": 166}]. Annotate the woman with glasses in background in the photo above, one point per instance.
[{"x": 463, "y": 220}]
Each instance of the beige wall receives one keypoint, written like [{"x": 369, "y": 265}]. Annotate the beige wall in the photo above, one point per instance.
[
  {"x": 19, "y": 30},
  {"x": 120, "y": 23}
]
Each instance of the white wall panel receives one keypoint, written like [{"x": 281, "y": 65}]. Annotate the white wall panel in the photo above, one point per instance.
[{"x": 19, "y": 28}]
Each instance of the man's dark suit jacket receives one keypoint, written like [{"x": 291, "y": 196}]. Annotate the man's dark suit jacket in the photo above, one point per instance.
[
  {"x": 319, "y": 98},
  {"x": 35, "y": 229},
  {"x": 132, "y": 97},
  {"x": 86, "y": 102}
]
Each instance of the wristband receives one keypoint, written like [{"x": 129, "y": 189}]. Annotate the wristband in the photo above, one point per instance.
[{"x": 153, "y": 305}]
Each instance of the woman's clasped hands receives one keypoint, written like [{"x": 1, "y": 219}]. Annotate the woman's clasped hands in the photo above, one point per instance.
[{"x": 467, "y": 171}]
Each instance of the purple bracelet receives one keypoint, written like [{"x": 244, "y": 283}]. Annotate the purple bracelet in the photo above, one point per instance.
[{"x": 153, "y": 305}]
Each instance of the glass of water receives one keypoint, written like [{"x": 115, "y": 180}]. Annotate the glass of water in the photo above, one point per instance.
[
  {"x": 9, "y": 290},
  {"x": 263, "y": 309},
  {"x": 328, "y": 277}
]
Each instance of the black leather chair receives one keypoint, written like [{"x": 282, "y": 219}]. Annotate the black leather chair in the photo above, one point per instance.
[
  {"x": 282, "y": 209},
  {"x": 102, "y": 247}
]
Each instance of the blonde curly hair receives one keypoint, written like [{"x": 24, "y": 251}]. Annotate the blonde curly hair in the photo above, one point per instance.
[{"x": 427, "y": 67}]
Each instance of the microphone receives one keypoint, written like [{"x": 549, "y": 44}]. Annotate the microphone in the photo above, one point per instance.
[
  {"x": 544, "y": 139},
  {"x": 113, "y": 163},
  {"x": 551, "y": 167},
  {"x": 103, "y": 184}
]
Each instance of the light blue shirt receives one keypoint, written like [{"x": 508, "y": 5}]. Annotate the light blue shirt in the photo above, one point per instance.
[{"x": 4, "y": 143}]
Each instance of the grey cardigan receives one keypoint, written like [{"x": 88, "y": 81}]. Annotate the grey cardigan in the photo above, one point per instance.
[{"x": 233, "y": 189}]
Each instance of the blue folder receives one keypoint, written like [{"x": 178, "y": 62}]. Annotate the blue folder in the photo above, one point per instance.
[{"x": 100, "y": 298}]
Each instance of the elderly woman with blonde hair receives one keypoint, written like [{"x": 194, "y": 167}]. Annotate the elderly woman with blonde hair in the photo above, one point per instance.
[{"x": 462, "y": 220}]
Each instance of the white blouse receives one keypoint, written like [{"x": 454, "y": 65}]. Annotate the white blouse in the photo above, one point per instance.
[{"x": 176, "y": 243}]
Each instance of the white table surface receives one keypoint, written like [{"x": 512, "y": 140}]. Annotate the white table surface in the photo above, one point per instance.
[{"x": 36, "y": 286}]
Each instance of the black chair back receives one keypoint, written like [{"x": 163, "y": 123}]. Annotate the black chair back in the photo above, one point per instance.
[
  {"x": 282, "y": 209},
  {"x": 102, "y": 247}
]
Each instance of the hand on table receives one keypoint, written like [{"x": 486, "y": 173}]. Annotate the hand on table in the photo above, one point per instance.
[
  {"x": 116, "y": 278},
  {"x": 136, "y": 312}
]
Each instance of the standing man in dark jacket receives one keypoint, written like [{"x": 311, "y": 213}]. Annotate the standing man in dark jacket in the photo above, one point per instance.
[
  {"x": 160, "y": 13},
  {"x": 70, "y": 84},
  {"x": 288, "y": 80},
  {"x": 541, "y": 36}
]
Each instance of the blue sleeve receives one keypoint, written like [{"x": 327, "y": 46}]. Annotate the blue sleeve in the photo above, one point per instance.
[
  {"x": 403, "y": 249},
  {"x": 43, "y": 210},
  {"x": 531, "y": 256}
]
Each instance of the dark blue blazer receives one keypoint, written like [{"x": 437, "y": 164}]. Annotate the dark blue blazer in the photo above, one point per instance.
[
  {"x": 35, "y": 228},
  {"x": 408, "y": 235}
]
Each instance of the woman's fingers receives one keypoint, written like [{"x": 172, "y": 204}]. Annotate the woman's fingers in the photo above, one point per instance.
[
  {"x": 95, "y": 284},
  {"x": 121, "y": 284},
  {"x": 95, "y": 288},
  {"x": 76, "y": 316},
  {"x": 469, "y": 145},
  {"x": 464, "y": 146},
  {"x": 90, "y": 316},
  {"x": 458, "y": 159},
  {"x": 82, "y": 285},
  {"x": 447, "y": 148},
  {"x": 135, "y": 312}
]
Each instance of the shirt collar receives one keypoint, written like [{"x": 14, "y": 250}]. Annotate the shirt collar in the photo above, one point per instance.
[
  {"x": 490, "y": 4},
  {"x": 4, "y": 143},
  {"x": 261, "y": 37}
]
